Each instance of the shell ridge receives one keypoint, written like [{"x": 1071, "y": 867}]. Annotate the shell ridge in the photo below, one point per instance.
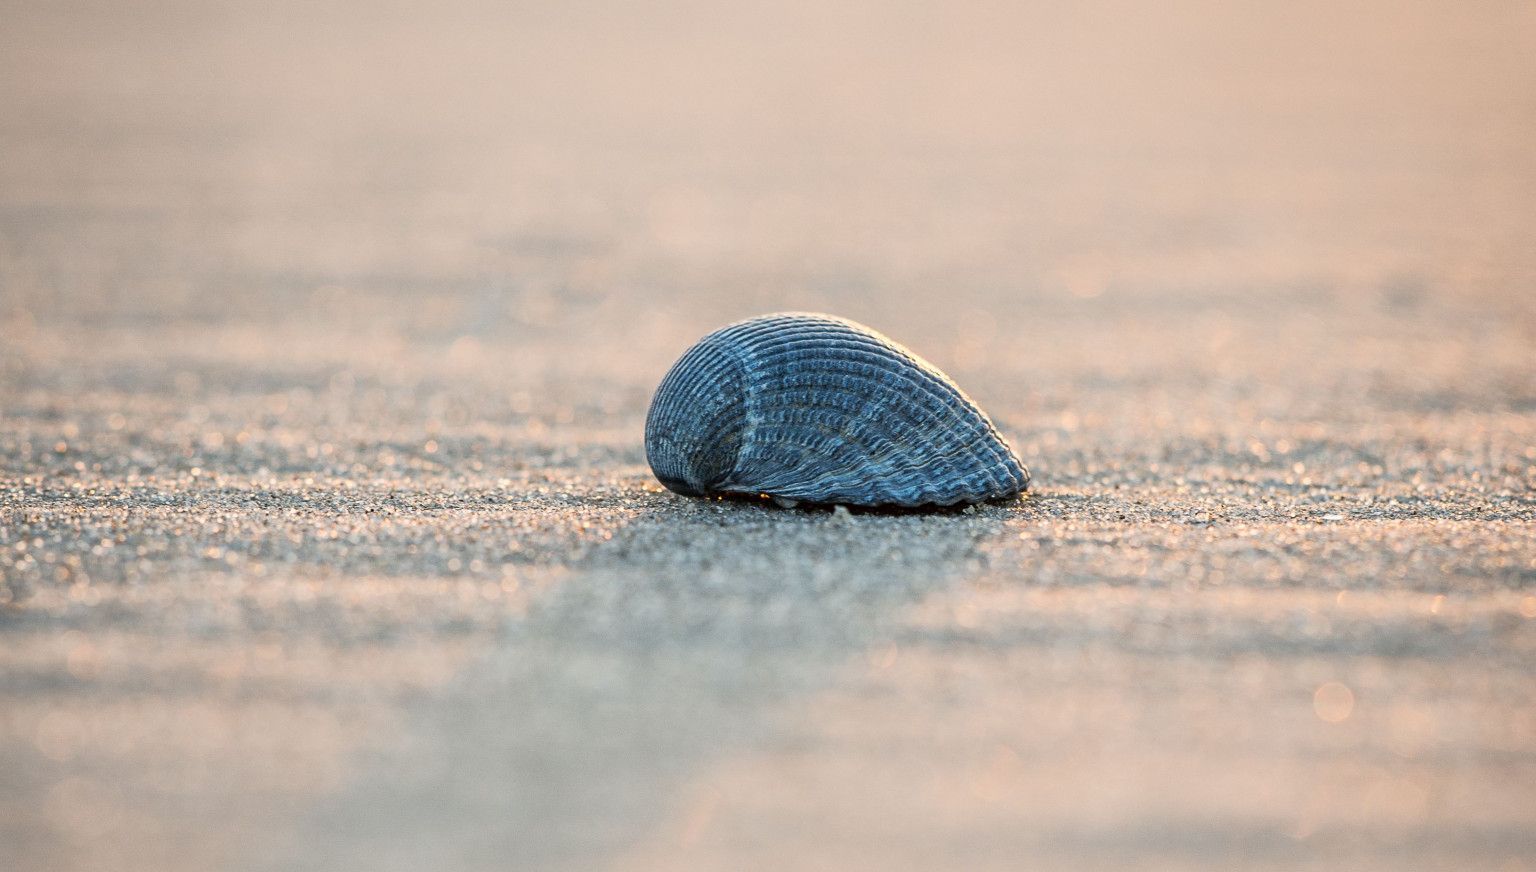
[
  {"x": 949, "y": 447},
  {"x": 855, "y": 429},
  {"x": 952, "y": 430},
  {"x": 901, "y": 463}
]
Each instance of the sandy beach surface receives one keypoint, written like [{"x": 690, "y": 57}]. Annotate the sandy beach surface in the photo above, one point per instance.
[{"x": 327, "y": 540}]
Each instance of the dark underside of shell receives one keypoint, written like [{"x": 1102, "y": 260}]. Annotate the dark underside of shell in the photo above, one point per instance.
[{"x": 816, "y": 409}]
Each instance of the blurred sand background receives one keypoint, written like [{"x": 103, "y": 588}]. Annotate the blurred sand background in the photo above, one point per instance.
[{"x": 326, "y": 535}]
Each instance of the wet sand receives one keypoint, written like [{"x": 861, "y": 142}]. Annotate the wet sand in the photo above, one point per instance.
[{"x": 326, "y": 535}]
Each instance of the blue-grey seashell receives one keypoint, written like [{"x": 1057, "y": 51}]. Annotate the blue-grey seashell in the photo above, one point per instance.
[{"x": 806, "y": 407}]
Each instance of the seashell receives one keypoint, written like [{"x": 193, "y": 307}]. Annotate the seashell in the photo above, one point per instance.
[{"x": 801, "y": 407}]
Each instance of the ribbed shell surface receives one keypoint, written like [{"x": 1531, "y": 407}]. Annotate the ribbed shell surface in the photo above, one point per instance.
[{"x": 816, "y": 408}]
